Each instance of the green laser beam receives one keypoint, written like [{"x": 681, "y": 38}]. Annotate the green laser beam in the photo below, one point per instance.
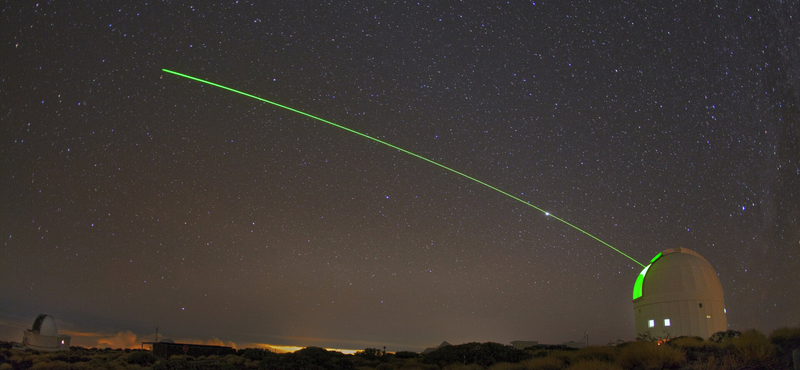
[{"x": 404, "y": 151}]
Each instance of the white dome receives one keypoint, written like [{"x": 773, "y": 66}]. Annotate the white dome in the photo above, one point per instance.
[
  {"x": 679, "y": 293},
  {"x": 681, "y": 274},
  {"x": 45, "y": 325}
]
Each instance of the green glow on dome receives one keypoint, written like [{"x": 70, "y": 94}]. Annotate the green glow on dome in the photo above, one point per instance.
[
  {"x": 637, "y": 287},
  {"x": 656, "y": 257},
  {"x": 409, "y": 153}
]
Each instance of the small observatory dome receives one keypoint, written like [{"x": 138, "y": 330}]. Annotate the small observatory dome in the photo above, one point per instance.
[
  {"x": 679, "y": 294},
  {"x": 43, "y": 336},
  {"x": 45, "y": 325}
]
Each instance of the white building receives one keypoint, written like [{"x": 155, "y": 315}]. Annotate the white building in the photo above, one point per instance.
[
  {"x": 679, "y": 294},
  {"x": 43, "y": 336}
]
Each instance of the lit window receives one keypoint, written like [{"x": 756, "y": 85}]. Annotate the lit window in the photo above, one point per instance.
[
  {"x": 666, "y": 322},
  {"x": 708, "y": 316},
  {"x": 725, "y": 310},
  {"x": 651, "y": 323}
]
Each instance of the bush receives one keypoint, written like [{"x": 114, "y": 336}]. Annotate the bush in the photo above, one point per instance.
[
  {"x": 785, "y": 340},
  {"x": 463, "y": 367},
  {"x": 406, "y": 354},
  {"x": 48, "y": 365},
  {"x": 254, "y": 354},
  {"x": 543, "y": 363},
  {"x": 142, "y": 358},
  {"x": 567, "y": 357},
  {"x": 594, "y": 365},
  {"x": 720, "y": 336},
  {"x": 484, "y": 354},
  {"x": 647, "y": 355},
  {"x": 316, "y": 358},
  {"x": 603, "y": 354},
  {"x": 507, "y": 366},
  {"x": 754, "y": 350}
]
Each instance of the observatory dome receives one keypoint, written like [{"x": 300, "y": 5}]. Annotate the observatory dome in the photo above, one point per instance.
[
  {"x": 45, "y": 325},
  {"x": 43, "y": 335},
  {"x": 679, "y": 294}
]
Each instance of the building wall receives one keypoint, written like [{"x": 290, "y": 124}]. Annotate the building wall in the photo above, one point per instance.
[
  {"x": 687, "y": 318},
  {"x": 38, "y": 342}
]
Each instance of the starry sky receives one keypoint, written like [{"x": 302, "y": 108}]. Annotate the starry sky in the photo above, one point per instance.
[{"x": 133, "y": 199}]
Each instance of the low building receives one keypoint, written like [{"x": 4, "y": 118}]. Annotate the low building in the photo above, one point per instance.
[
  {"x": 168, "y": 348},
  {"x": 43, "y": 336}
]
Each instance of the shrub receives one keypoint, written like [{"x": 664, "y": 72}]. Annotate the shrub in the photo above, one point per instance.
[
  {"x": 543, "y": 363},
  {"x": 594, "y": 365},
  {"x": 142, "y": 358},
  {"x": 462, "y": 367},
  {"x": 785, "y": 340},
  {"x": 754, "y": 350},
  {"x": 647, "y": 355},
  {"x": 406, "y": 354},
  {"x": 507, "y": 366},
  {"x": 47, "y": 365},
  {"x": 605, "y": 354},
  {"x": 567, "y": 357},
  {"x": 484, "y": 354},
  {"x": 386, "y": 366},
  {"x": 720, "y": 336},
  {"x": 254, "y": 354}
]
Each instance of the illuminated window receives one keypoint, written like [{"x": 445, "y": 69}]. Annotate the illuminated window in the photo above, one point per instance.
[
  {"x": 725, "y": 310},
  {"x": 708, "y": 316},
  {"x": 666, "y": 322},
  {"x": 651, "y": 323}
]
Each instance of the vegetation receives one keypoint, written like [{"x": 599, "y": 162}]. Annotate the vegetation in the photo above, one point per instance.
[{"x": 725, "y": 350}]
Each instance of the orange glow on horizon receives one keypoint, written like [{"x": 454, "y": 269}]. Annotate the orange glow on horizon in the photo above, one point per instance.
[
  {"x": 289, "y": 349},
  {"x": 128, "y": 339}
]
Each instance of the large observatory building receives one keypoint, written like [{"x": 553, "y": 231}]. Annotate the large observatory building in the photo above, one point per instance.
[{"x": 679, "y": 294}]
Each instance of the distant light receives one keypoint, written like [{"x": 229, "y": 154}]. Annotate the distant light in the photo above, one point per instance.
[
  {"x": 666, "y": 322},
  {"x": 651, "y": 323}
]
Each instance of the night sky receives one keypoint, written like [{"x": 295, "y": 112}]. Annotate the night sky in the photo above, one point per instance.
[{"x": 132, "y": 199}]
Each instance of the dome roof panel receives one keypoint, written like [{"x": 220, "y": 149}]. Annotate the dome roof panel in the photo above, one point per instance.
[
  {"x": 681, "y": 274},
  {"x": 45, "y": 325}
]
